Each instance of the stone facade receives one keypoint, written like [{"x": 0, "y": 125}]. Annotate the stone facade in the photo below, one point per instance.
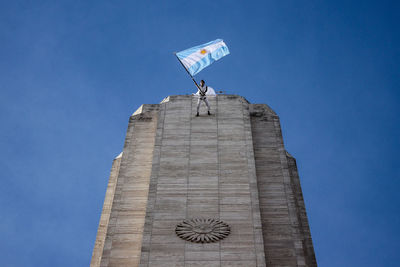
[{"x": 231, "y": 167}]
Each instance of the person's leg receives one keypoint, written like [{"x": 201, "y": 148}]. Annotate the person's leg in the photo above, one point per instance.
[
  {"x": 198, "y": 106},
  {"x": 208, "y": 106}
]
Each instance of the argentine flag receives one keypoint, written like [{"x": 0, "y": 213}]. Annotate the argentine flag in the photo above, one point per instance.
[{"x": 197, "y": 58}]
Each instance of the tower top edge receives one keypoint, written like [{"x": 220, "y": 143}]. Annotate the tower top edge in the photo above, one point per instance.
[
  {"x": 255, "y": 109},
  {"x": 176, "y": 97}
]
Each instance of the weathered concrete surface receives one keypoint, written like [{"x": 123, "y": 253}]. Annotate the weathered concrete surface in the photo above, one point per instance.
[
  {"x": 286, "y": 234},
  {"x": 125, "y": 227},
  {"x": 105, "y": 214},
  {"x": 231, "y": 165}
]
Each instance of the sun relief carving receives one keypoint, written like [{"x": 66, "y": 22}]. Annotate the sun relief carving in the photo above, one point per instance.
[{"x": 201, "y": 230}]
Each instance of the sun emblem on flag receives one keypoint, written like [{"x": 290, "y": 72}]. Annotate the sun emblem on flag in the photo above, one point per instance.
[{"x": 203, "y": 51}]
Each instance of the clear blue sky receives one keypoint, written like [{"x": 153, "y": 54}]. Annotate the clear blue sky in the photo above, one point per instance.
[{"x": 72, "y": 72}]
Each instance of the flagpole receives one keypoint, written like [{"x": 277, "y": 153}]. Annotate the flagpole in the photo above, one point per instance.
[{"x": 187, "y": 70}]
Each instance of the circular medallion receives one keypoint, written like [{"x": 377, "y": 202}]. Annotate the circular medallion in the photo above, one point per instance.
[{"x": 200, "y": 230}]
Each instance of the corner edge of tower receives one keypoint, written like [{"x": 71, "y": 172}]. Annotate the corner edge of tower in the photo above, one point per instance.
[
  {"x": 259, "y": 110},
  {"x": 301, "y": 212},
  {"x": 100, "y": 240},
  {"x": 146, "y": 108}
]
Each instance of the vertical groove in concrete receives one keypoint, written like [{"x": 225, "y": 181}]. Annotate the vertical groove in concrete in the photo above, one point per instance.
[
  {"x": 237, "y": 198},
  {"x": 202, "y": 179},
  {"x": 188, "y": 171},
  {"x": 296, "y": 236},
  {"x": 256, "y": 216},
  {"x": 279, "y": 205},
  {"x": 105, "y": 259},
  {"x": 105, "y": 214},
  {"x": 219, "y": 172},
  {"x": 276, "y": 224},
  {"x": 166, "y": 249},
  {"x": 308, "y": 248},
  {"x": 128, "y": 214},
  {"x": 148, "y": 228}
]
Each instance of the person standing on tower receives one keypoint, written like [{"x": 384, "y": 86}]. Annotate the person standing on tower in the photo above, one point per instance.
[{"x": 202, "y": 96}]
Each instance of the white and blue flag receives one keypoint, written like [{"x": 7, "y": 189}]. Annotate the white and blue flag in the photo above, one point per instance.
[{"x": 197, "y": 58}]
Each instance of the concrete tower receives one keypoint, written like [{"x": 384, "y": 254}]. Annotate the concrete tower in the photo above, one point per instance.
[{"x": 217, "y": 190}]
